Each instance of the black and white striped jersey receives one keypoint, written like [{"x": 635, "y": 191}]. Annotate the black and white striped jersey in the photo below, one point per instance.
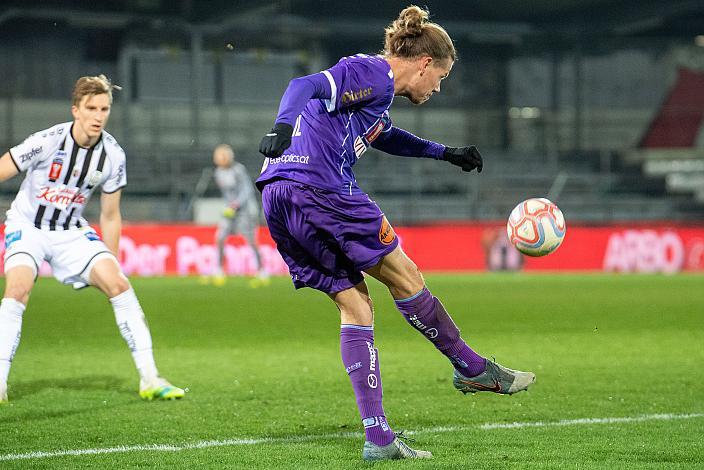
[{"x": 61, "y": 176}]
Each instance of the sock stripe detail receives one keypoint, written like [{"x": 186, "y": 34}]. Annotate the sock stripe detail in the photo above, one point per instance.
[
  {"x": 357, "y": 327},
  {"x": 413, "y": 297}
]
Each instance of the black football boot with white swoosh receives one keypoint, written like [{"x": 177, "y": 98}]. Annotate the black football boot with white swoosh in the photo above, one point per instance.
[{"x": 495, "y": 378}]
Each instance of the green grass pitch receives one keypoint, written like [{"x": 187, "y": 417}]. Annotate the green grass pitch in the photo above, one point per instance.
[{"x": 263, "y": 364}]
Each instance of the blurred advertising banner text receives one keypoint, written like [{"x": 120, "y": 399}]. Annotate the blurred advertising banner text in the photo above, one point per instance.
[{"x": 182, "y": 249}]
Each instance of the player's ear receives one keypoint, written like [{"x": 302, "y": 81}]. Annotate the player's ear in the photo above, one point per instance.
[
  {"x": 424, "y": 62},
  {"x": 74, "y": 111}
]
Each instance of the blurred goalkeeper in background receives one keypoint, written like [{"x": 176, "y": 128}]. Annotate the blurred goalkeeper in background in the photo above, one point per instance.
[
  {"x": 329, "y": 231},
  {"x": 240, "y": 214}
]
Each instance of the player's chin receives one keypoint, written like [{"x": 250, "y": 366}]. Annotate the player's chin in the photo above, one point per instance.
[{"x": 419, "y": 100}]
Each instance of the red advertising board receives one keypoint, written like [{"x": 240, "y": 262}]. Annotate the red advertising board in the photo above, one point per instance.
[
  {"x": 182, "y": 249},
  {"x": 617, "y": 248}
]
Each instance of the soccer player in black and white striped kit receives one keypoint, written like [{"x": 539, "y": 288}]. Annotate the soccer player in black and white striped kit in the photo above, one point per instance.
[{"x": 64, "y": 165}]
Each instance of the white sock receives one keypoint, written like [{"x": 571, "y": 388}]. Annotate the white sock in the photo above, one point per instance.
[
  {"x": 133, "y": 328},
  {"x": 10, "y": 329}
]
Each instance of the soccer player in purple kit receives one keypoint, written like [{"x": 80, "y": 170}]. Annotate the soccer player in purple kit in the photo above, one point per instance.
[{"x": 329, "y": 231}]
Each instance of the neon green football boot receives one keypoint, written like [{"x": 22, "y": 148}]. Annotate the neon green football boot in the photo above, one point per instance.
[{"x": 159, "y": 389}]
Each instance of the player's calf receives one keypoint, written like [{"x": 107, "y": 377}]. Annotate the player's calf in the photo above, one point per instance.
[{"x": 428, "y": 316}]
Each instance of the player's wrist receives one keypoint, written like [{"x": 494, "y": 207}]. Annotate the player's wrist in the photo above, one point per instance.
[
  {"x": 435, "y": 150},
  {"x": 282, "y": 128},
  {"x": 277, "y": 141},
  {"x": 447, "y": 152}
]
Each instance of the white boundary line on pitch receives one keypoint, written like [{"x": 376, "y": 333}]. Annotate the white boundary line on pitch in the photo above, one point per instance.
[{"x": 348, "y": 435}]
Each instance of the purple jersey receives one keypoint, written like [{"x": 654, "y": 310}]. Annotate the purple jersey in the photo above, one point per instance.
[{"x": 331, "y": 134}]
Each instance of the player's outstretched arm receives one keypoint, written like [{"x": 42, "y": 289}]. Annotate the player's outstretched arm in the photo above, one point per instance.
[
  {"x": 396, "y": 141},
  {"x": 8, "y": 168}
]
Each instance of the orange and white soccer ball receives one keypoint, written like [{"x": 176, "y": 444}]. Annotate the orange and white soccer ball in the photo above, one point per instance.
[{"x": 536, "y": 227}]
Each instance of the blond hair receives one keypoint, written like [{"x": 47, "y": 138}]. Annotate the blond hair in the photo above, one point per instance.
[
  {"x": 411, "y": 35},
  {"x": 95, "y": 85}
]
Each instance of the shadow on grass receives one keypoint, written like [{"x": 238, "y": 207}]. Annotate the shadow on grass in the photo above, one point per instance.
[
  {"x": 90, "y": 382},
  {"x": 47, "y": 409}
]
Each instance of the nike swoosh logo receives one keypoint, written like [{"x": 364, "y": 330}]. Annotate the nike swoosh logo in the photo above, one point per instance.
[
  {"x": 271, "y": 135},
  {"x": 482, "y": 387}
]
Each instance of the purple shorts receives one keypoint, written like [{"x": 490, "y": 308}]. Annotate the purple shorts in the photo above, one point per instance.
[{"x": 327, "y": 239}]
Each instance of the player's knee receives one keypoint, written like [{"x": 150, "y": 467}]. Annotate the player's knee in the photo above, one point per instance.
[
  {"x": 19, "y": 278},
  {"x": 356, "y": 313},
  {"x": 361, "y": 316},
  {"x": 117, "y": 287},
  {"x": 363, "y": 313},
  {"x": 18, "y": 291}
]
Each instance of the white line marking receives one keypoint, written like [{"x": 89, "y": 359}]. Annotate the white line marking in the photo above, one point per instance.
[
  {"x": 347, "y": 435},
  {"x": 566, "y": 422},
  {"x": 588, "y": 421}
]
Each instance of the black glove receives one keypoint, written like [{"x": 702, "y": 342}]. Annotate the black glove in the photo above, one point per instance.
[
  {"x": 468, "y": 158},
  {"x": 275, "y": 142}
]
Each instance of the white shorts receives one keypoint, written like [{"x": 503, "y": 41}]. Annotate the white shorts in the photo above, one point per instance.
[{"x": 70, "y": 253}]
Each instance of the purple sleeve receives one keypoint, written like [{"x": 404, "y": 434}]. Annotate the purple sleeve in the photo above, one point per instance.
[
  {"x": 402, "y": 143},
  {"x": 301, "y": 90}
]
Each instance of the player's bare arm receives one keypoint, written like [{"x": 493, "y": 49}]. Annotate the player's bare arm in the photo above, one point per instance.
[
  {"x": 111, "y": 220},
  {"x": 8, "y": 169}
]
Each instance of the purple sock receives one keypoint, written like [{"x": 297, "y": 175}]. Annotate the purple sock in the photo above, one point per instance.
[
  {"x": 426, "y": 314},
  {"x": 361, "y": 360}
]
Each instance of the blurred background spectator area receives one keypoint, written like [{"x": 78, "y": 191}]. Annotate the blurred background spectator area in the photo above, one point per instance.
[{"x": 597, "y": 105}]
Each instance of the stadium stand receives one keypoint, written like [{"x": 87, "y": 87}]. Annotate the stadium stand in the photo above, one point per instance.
[{"x": 549, "y": 123}]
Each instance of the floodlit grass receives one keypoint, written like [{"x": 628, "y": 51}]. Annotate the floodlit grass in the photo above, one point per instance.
[{"x": 264, "y": 363}]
